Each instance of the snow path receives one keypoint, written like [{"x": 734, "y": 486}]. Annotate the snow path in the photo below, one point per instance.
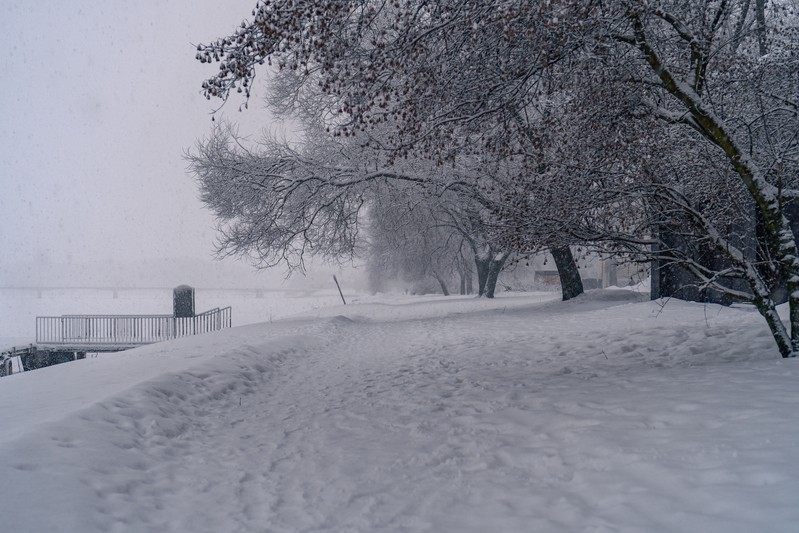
[{"x": 577, "y": 416}]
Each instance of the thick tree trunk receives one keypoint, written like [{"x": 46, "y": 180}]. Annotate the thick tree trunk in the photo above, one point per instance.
[
  {"x": 441, "y": 283},
  {"x": 489, "y": 265},
  {"x": 570, "y": 283},
  {"x": 482, "y": 265},
  {"x": 495, "y": 267},
  {"x": 465, "y": 275}
]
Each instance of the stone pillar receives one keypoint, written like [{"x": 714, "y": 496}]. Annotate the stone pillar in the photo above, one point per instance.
[{"x": 183, "y": 301}]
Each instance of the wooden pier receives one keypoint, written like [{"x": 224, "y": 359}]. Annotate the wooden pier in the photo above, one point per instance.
[
  {"x": 121, "y": 332},
  {"x": 64, "y": 338}
]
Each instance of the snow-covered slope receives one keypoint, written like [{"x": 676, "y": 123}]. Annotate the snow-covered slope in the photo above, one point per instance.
[{"x": 607, "y": 413}]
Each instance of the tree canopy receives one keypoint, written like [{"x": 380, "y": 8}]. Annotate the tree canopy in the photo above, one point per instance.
[{"x": 662, "y": 129}]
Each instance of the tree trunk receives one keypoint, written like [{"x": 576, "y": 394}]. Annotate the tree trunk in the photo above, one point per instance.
[
  {"x": 760, "y": 27},
  {"x": 469, "y": 287},
  {"x": 739, "y": 26},
  {"x": 441, "y": 283},
  {"x": 463, "y": 268},
  {"x": 495, "y": 267},
  {"x": 570, "y": 283},
  {"x": 482, "y": 273}
]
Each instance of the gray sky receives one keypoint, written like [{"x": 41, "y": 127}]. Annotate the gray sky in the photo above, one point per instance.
[{"x": 100, "y": 99}]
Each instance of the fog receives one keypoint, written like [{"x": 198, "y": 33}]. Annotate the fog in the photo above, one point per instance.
[{"x": 101, "y": 100}]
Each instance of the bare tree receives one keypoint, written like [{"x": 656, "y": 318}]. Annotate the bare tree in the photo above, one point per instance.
[
  {"x": 276, "y": 202},
  {"x": 403, "y": 66},
  {"x": 407, "y": 242},
  {"x": 736, "y": 107},
  {"x": 470, "y": 84}
]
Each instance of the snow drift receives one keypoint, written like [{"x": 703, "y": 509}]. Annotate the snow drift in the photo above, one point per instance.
[{"x": 606, "y": 413}]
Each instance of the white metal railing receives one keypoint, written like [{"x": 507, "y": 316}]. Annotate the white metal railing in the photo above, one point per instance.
[{"x": 126, "y": 330}]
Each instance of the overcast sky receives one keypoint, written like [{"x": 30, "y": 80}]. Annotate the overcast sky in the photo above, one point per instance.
[{"x": 100, "y": 100}]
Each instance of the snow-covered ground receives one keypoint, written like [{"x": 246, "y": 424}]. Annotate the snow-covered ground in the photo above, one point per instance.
[{"x": 604, "y": 414}]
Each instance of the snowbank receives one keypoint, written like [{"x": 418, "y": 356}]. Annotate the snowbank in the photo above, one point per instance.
[{"x": 606, "y": 413}]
